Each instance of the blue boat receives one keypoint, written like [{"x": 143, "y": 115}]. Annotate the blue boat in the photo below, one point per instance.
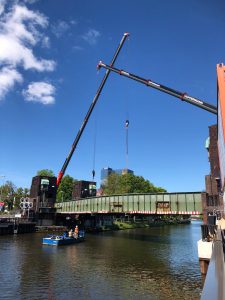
[{"x": 60, "y": 240}]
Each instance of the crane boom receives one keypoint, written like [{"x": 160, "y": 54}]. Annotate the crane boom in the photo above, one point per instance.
[
  {"x": 94, "y": 101},
  {"x": 183, "y": 96}
]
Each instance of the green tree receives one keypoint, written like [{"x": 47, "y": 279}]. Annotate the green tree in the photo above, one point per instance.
[
  {"x": 7, "y": 192},
  {"x": 45, "y": 172},
  {"x": 20, "y": 193},
  {"x": 26, "y": 191},
  {"x": 8, "y": 189},
  {"x": 17, "y": 196},
  {"x": 129, "y": 183},
  {"x": 112, "y": 185},
  {"x": 65, "y": 189},
  {"x": 11, "y": 195}
]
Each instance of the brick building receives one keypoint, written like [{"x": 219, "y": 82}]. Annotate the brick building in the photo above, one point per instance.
[{"x": 212, "y": 201}]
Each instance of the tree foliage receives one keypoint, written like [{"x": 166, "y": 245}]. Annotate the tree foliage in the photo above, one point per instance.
[
  {"x": 8, "y": 189},
  {"x": 65, "y": 189},
  {"x": 129, "y": 183},
  {"x": 45, "y": 172},
  {"x": 11, "y": 195},
  {"x": 20, "y": 193}
]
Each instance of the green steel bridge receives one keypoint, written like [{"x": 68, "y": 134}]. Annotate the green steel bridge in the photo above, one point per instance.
[{"x": 150, "y": 204}]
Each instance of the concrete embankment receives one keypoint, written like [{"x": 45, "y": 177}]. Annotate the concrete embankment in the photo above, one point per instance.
[
  {"x": 11, "y": 228},
  {"x": 28, "y": 227}
]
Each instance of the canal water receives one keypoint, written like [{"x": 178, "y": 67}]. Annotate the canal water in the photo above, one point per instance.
[{"x": 155, "y": 263}]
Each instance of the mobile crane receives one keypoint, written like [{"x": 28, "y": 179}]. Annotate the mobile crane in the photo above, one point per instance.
[
  {"x": 94, "y": 101},
  {"x": 183, "y": 96}
]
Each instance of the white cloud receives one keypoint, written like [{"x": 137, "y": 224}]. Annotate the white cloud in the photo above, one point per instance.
[
  {"x": 15, "y": 39},
  {"x": 45, "y": 42},
  {"x": 15, "y": 53},
  {"x": 41, "y": 92},
  {"x": 77, "y": 48},
  {"x": 60, "y": 28},
  {"x": 73, "y": 22},
  {"x": 19, "y": 34},
  {"x": 91, "y": 36},
  {"x": 8, "y": 77},
  {"x": 2, "y": 6},
  {"x": 30, "y": 1}
]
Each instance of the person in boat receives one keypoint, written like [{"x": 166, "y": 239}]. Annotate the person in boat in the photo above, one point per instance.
[
  {"x": 76, "y": 231},
  {"x": 70, "y": 233}
]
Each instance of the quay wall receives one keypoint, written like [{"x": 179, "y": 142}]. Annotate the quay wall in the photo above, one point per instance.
[{"x": 12, "y": 227}]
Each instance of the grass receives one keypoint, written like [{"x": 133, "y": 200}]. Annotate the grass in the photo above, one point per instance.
[{"x": 123, "y": 225}]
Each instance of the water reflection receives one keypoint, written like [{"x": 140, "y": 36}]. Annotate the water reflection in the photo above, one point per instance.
[{"x": 156, "y": 263}]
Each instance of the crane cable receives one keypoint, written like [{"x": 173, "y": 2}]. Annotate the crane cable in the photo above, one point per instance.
[
  {"x": 94, "y": 152},
  {"x": 95, "y": 134},
  {"x": 126, "y": 126},
  {"x": 126, "y": 56}
]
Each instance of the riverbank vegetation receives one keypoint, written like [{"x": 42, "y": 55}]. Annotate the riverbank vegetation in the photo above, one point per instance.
[{"x": 120, "y": 224}]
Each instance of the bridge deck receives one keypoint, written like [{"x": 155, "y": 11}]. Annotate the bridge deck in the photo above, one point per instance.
[{"x": 162, "y": 203}]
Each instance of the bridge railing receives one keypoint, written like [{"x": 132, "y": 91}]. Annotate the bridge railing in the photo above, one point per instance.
[{"x": 161, "y": 203}]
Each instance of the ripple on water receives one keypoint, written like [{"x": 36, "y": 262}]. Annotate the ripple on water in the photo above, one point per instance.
[{"x": 135, "y": 264}]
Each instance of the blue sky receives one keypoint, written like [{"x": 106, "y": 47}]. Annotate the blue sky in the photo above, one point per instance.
[{"x": 48, "y": 78}]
